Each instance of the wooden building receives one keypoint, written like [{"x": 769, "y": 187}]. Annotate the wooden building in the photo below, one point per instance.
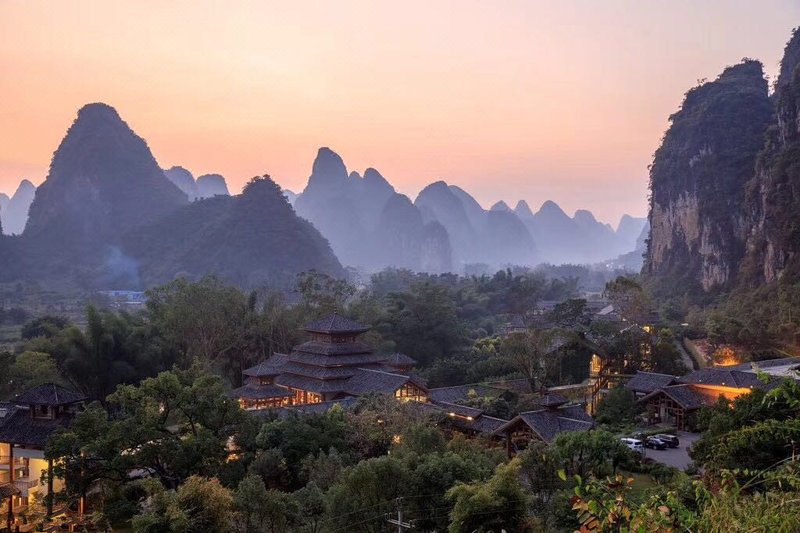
[
  {"x": 331, "y": 365},
  {"x": 555, "y": 416},
  {"x": 677, "y": 400},
  {"x": 25, "y": 426}
]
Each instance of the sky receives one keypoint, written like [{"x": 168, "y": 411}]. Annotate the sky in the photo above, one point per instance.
[{"x": 510, "y": 100}]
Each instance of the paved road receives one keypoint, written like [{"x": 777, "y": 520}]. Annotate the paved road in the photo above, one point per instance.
[{"x": 677, "y": 457}]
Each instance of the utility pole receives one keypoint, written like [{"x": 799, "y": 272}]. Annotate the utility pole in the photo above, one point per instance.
[{"x": 401, "y": 526}]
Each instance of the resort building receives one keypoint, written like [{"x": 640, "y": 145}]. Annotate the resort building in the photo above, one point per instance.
[
  {"x": 333, "y": 364},
  {"x": 556, "y": 416},
  {"x": 335, "y": 368},
  {"x": 25, "y": 426},
  {"x": 676, "y": 400}
]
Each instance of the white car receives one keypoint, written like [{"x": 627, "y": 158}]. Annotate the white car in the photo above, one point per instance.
[{"x": 634, "y": 444}]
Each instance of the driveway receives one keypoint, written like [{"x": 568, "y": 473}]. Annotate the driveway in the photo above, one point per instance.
[{"x": 677, "y": 457}]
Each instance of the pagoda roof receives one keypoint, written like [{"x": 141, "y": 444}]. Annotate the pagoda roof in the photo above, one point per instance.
[
  {"x": 335, "y": 323},
  {"x": 333, "y": 348},
  {"x": 268, "y": 367},
  {"x": 49, "y": 394},
  {"x": 335, "y": 360},
  {"x": 400, "y": 359},
  {"x": 260, "y": 392}
]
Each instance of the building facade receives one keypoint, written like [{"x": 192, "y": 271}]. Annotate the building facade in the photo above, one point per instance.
[{"x": 26, "y": 423}]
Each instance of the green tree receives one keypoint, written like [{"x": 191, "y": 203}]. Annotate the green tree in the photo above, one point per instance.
[
  {"x": 500, "y": 503},
  {"x": 629, "y": 299},
  {"x": 173, "y": 426},
  {"x": 531, "y": 353},
  {"x": 249, "y": 502},
  {"x": 423, "y": 322},
  {"x": 207, "y": 320},
  {"x": 31, "y": 369},
  {"x": 321, "y": 294},
  {"x": 538, "y": 470},
  {"x": 618, "y": 408},
  {"x": 311, "y": 509},
  {"x": 594, "y": 452},
  {"x": 366, "y": 492},
  {"x": 665, "y": 357},
  {"x": 197, "y": 505}
]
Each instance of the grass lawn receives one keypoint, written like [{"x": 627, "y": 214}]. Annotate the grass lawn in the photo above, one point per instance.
[{"x": 641, "y": 482}]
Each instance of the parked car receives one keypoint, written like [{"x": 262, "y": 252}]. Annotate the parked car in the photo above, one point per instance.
[
  {"x": 655, "y": 443},
  {"x": 634, "y": 444},
  {"x": 671, "y": 440}
]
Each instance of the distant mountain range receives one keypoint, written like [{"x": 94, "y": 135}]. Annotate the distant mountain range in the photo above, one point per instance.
[
  {"x": 205, "y": 186},
  {"x": 14, "y": 210},
  {"x": 370, "y": 225},
  {"x": 109, "y": 216}
]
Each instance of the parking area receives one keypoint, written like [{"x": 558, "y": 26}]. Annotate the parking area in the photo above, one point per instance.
[{"x": 677, "y": 457}]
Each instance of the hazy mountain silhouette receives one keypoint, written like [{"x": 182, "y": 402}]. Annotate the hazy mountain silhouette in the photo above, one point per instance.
[
  {"x": 183, "y": 180},
  {"x": 107, "y": 213},
  {"x": 367, "y": 223},
  {"x": 103, "y": 182},
  {"x": 14, "y": 210},
  {"x": 251, "y": 240},
  {"x": 578, "y": 239},
  {"x": 370, "y": 225},
  {"x": 210, "y": 185},
  {"x": 439, "y": 203},
  {"x": 205, "y": 186},
  {"x": 290, "y": 196}
]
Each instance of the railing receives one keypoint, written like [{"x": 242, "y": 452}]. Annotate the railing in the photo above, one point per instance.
[
  {"x": 26, "y": 483},
  {"x": 5, "y": 459}
]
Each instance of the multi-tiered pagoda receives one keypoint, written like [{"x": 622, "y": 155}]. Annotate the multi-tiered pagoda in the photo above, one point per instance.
[{"x": 332, "y": 365}]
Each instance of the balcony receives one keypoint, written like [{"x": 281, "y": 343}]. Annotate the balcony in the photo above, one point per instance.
[{"x": 26, "y": 483}]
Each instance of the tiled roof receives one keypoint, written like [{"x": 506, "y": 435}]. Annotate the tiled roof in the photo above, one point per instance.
[
  {"x": 686, "y": 396},
  {"x": 356, "y": 359},
  {"x": 649, "y": 381},
  {"x": 607, "y": 310},
  {"x": 317, "y": 372},
  {"x": 336, "y": 323},
  {"x": 725, "y": 377},
  {"x": 269, "y": 367},
  {"x": 487, "y": 424},
  {"x": 367, "y": 381},
  {"x": 310, "y": 384},
  {"x": 8, "y": 489},
  {"x": 548, "y": 423},
  {"x": 333, "y": 348},
  {"x": 460, "y": 410},
  {"x": 479, "y": 422},
  {"x": 551, "y": 400},
  {"x": 519, "y": 386},
  {"x": 20, "y": 428},
  {"x": 400, "y": 359},
  {"x": 260, "y": 392},
  {"x": 49, "y": 394},
  {"x": 769, "y": 363}
]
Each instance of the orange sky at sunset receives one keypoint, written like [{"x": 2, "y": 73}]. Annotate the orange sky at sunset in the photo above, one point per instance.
[{"x": 510, "y": 100}]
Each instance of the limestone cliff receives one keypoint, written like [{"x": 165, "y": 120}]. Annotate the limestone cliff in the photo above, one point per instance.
[
  {"x": 774, "y": 193},
  {"x": 698, "y": 214}
]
